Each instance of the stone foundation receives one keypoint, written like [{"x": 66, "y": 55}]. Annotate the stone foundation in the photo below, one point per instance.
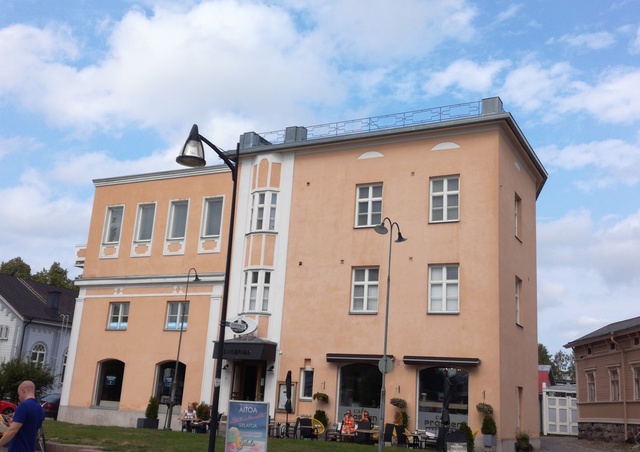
[{"x": 599, "y": 431}]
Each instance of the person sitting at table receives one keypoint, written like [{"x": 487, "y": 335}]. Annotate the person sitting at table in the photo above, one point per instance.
[
  {"x": 348, "y": 423},
  {"x": 188, "y": 417},
  {"x": 365, "y": 416}
]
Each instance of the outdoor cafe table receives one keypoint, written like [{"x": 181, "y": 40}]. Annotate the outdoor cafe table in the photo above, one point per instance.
[{"x": 367, "y": 432}]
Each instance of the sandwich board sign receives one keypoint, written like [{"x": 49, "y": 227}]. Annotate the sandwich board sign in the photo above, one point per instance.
[{"x": 247, "y": 426}]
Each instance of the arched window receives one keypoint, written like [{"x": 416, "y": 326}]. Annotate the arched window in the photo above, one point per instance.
[
  {"x": 38, "y": 354},
  {"x": 434, "y": 389},
  {"x": 164, "y": 381},
  {"x": 110, "y": 375}
]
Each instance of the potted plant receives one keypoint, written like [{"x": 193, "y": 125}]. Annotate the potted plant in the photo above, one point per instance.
[
  {"x": 321, "y": 397},
  {"x": 150, "y": 419},
  {"x": 488, "y": 428},
  {"x": 522, "y": 442}
]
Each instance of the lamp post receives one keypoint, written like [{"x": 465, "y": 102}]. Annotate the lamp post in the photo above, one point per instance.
[
  {"x": 193, "y": 155},
  {"x": 174, "y": 380},
  {"x": 382, "y": 229}
]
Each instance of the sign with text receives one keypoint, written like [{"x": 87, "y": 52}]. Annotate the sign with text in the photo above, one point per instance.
[{"x": 247, "y": 426}]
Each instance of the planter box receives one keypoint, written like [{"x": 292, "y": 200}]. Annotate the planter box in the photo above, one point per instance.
[
  {"x": 147, "y": 423},
  {"x": 489, "y": 440}
]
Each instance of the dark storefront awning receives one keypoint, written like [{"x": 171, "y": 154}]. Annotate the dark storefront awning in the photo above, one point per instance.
[
  {"x": 440, "y": 361},
  {"x": 247, "y": 348},
  {"x": 354, "y": 358}
]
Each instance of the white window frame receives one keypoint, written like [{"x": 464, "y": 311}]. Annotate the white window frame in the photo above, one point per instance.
[
  {"x": 4, "y": 332},
  {"x": 63, "y": 368},
  {"x": 177, "y": 311},
  {"x": 442, "y": 199},
  {"x": 212, "y": 217},
  {"x": 109, "y": 236},
  {"x": 118, "y": 316},
  {"x": 590, "y": 376},
  {"x": 518, "y": 289},
  {"x": 172, "y": 234},
  {"x": 517, "y": 215},
  {"x": 445, "y": 285},
  {"x": 264, "y": 205},
  {"x": 614, "y": 384},
  {"x": 635, "y": 372},
  {"x": 257, "y": 290},
  {"x": 142, "y": 220},
  {"x": 365, "y": 289},
  {"x": 39, "y": 354},
  {"x": 306, "y": 383},
  {"x": 368, "y": 205}
]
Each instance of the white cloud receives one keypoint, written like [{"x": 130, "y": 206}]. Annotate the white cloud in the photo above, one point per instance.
[
  {"x": 508, "y": 13},
  {"x": 614, "y": 98},
  {"x": 634, "y": 45},
  {"x": 615, "y": 161},
  {"x": 12, "y": 145},
  {"x": 465, "y": 75},
  {"x": 594, "y": 41},
  {"x": 532, "y": 86}
]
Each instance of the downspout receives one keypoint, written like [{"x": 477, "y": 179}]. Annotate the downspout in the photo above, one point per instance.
[
  {"x": 624, "y": 386},
  {"x": 24, "y": 330}
]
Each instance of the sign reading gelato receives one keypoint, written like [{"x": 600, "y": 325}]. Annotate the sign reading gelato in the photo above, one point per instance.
[{"x": 247, "y": 426}]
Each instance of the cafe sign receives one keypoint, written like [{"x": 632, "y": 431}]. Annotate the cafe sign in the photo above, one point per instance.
[{"x": 242, "y": 325}]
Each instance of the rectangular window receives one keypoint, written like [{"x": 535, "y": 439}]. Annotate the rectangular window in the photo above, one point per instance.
[
  {"x": 306, "y": 384},
  {"x": 178, "y": 219},
  {"x": 257, "y": 285},
  {"x": 369, "y": 205},
  {"x": 113, "y": 224},
  {"x": 444, "y": 286},
  {"x": 365, "y": 290},
  {"x": 636, "y": 383},
  {"x": 445, "y": 199},
  {"x": 263, "y": 211},
  {"x": 4, "y": 332},
  {"x": 614, "y": 380},
  {"x": 517, "y": 214},
  {"x": 212, "y": 217},
  {"x": 118, "y": 316},
  {"x": 177, "y": 315},
  {"x": 518, "y": 288},
  {"x": 591, "y": 386},
  {"x": 144, "y": 222}
]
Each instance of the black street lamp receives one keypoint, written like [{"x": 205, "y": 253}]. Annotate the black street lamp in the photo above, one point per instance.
[
  {"x": 382, "y": 229},
  {"x": 174, "y": 380},
  {"x": 193, "y": 155}
]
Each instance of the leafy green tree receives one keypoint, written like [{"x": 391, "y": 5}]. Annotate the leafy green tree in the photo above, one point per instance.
[
  {"x": 16, "y": 267},
  {"x": 55, "y": 276},
  {"x": 14, "y": 372},
  {"x": 544, "y": 357},
  {"x": 565, "y": 363}
]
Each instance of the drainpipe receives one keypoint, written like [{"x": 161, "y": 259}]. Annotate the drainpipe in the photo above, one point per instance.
[
  {"x": 24, "y": 330},
  {"x": 623, "y": 387}
]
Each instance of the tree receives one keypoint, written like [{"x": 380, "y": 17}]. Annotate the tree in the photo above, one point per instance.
[
  {"x": 14, "y": 372},
  {"x": 55, "y": 276},
  {"x": 16, "y": 267},
  {"x": 544, "y": 357},
  {"x": 565, "y": 363}
]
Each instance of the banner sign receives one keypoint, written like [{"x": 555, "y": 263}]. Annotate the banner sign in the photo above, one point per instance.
[{"x": 247, "y": 426}]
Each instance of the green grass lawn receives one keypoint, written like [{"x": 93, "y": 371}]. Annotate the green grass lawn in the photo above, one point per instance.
[{"x": 134, "y": 439}]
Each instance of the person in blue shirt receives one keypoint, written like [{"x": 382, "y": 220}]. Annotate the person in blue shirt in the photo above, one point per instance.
[{"x": 27, "y": 420}]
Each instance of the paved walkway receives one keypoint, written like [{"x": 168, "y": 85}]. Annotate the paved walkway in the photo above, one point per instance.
[{"x": 573, "y": 444}]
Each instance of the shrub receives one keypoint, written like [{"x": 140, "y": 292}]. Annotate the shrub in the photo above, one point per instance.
[
  {"x": 488, "y": 426},
  {"x": 399, "y": 403},
  {"x": 321, "y": 416},
  {"x": 484, "y": 408},
  {"x": 152, "y": 408},
  {"x": 464, "y": 428}
]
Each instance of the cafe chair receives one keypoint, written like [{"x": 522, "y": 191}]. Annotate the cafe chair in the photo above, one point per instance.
[
  {"x": 307, "y": 429},
  {"x": 334, "y": 432}
]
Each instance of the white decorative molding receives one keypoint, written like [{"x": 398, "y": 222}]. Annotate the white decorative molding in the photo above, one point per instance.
[
  {"x": 445, "y": 145},
  {"x": 370, "y": 155}
]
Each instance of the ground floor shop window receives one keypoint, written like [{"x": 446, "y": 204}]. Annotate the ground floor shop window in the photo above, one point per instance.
[
  {"x": 360, "y": 390},
  {"x": 110, "y": 374},
  {"x": 437, "y": 387},
  {"x": 164, "y": 381}
]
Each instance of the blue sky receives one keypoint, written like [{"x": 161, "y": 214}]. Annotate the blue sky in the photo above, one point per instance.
[{"x": 92, "y": 89}]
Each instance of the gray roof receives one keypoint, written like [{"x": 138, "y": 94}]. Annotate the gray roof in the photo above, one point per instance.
[
  {"x": 29, "y": 299},
  {"x": 613, "y": 329}
]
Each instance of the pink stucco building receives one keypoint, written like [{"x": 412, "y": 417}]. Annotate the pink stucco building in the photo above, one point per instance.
[{"x": 460, "y": 181}]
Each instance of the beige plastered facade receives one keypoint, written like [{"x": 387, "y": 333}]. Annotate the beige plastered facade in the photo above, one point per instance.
[{"x": 311, "y": 252}]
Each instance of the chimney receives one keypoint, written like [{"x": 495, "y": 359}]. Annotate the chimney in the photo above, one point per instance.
[{"x": 53, "y": 300}]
